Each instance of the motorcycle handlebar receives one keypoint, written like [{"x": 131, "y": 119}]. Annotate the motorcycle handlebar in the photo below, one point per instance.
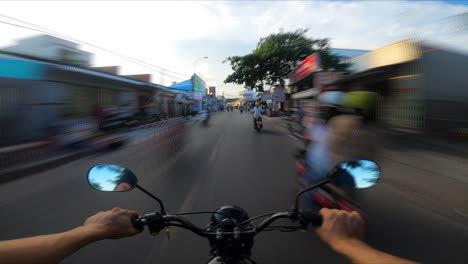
[
  {"x": 185, "y": 224},
  {"x": 271, "y": 219},
  {"x": 156, "y": 222}
]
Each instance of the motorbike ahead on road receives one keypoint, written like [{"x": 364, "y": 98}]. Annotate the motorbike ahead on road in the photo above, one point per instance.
[
  {"x": 258, "y": 124},
  {"x": 230, "y": 230},
  {"x": 327, "y": 195},
  {"x": 205, "y": 117}
]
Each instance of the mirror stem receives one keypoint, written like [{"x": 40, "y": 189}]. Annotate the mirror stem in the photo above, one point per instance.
[
  {"x": 163, "y": 211},
  {"x": 296, "y": 204}
]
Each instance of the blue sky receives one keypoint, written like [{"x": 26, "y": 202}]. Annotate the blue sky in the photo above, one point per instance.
[
  {"x": 174, "y": 34},
  {"x": 456, "y": 2}
]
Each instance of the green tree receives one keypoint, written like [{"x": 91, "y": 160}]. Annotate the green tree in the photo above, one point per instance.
[
  {"x": 247, "y": 70},
  {"x": 276, "y": 56}
]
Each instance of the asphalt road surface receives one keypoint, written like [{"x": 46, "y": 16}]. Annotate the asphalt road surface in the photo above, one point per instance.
[{"x": 225, "y": 163}]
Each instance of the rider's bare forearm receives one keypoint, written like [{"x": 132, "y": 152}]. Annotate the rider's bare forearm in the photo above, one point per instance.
[
  {"x": 359, "y": 253},
  {"x": 45, "y": 249}
]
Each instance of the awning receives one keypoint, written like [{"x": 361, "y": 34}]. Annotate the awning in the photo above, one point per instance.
[
  {"x": 306, "y": 94},
  {"x": 185, "y": 85},
  {"x": 365, "y": 74},
  {"x": 22, "y": 69}
]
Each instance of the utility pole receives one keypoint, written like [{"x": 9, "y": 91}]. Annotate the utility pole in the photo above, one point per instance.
[
  {"x": 162, "y": 79},
  {"x": 195, "y": 64}
]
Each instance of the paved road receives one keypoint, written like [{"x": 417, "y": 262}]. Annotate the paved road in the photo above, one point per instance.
[{"x": 226, "y": 163}]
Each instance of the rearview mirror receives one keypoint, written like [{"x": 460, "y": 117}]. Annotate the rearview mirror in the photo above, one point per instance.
[
  {"x": 111, "y": 178},
  {"x": 356, "y": 174}
]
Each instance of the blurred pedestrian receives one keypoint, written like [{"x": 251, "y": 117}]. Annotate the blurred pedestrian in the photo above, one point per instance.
[
  {"x": 354, "y": 134},
  {"x": 318, "y": 152},
  {"x": 317, "y": 155},
  {"x": 98, "y": 115}
]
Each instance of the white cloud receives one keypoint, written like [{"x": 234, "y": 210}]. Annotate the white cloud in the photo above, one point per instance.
[{"x": 151, "y": 31}]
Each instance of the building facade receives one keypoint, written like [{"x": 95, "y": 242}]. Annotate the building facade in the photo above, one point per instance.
[
  {"x": 347, "y": 54},
  {"x": 51, "y": 48},
  {"x": 423, "y": 87}
]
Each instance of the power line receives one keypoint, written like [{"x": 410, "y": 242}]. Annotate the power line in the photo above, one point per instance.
[
  {"x": 48, "y": 31},
  {"x": 59, "y": 35},
  {"x": 143, "y": 64}
]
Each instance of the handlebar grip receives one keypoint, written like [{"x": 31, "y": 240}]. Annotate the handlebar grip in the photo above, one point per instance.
[
  {"x": 137, "y": 223},
  {"x": 315, "y": 219}
]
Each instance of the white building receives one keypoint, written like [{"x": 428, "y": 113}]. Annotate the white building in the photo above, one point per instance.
[
  {"x": 51, "y": 48},
  {"x": 247, "y": 95}
]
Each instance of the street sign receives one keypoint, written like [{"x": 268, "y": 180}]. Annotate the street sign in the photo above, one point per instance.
[
  {"x": 198, "y": 84},
  {"x": 322, "y": 79},
  {"x": 198, "y": 96},
  {"x": 278, "y": 95},
  {"x": 308, "y": 66}
]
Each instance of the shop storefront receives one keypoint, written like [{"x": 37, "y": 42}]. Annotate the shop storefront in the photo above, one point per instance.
[
  {"x": 422, "y": 87},
  {"x": 306, "y": 82},
  {"x": 37, "y": 95}
]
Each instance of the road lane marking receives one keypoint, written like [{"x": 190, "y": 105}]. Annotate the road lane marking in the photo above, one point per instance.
[
  {"x": 216, "y": 147},
  {"x": 185, "y": 206},
  {"x": 460, "y": 212}
]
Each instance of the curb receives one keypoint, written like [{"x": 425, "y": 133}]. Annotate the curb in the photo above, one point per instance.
[
  {"x": 161, "y": 122},
  {"x": 21, "y": 171}
]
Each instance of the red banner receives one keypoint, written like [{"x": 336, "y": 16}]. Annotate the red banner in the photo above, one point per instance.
[{"x": 309, "y": 65}]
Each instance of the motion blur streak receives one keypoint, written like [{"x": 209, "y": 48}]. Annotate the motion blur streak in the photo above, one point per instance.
[{"x": 403, "y": 104}]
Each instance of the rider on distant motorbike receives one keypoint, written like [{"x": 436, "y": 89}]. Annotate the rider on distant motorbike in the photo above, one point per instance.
[
  {"x": 318, "y": 163},
  {"x": 205, "y": 115},
  {"x": 257, "y": 114}
]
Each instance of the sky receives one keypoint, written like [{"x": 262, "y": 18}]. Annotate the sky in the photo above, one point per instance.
[{"x": 173, "y": 35}]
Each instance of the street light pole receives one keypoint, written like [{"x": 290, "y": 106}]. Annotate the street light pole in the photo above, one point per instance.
[{"x": 195, "y": 63}]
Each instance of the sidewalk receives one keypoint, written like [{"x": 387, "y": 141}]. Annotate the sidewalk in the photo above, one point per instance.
[
  {"x": 447, "y": 144},
  {"x": 21, "y": 160},
  {"x": 18, "y": 155}
]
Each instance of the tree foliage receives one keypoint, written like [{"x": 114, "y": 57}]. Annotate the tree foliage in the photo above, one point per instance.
[{"x": 276, "y": 56}]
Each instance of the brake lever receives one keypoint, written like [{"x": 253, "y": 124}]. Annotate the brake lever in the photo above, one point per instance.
[{"x": 168, "y": 233}]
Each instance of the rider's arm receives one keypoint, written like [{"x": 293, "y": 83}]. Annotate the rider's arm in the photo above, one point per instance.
[
  {"x": 344, "y": 232},
  {"x": 53, "y": 248},
  {"x": 360, "y": 252}
]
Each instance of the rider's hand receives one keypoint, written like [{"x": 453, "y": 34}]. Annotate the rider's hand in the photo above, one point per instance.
[
  {"x": 344, "y": 232},
  {"x": 112, "y": 224},
  {"x": 340, "y": 227}
]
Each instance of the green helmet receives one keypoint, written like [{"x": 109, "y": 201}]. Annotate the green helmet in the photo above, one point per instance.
[{"x": 361, "y": 100}]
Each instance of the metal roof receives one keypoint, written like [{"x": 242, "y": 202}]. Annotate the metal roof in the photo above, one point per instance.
[
  {"x": 42, "y": 70},
  {"x": 185, "y": 85}
]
